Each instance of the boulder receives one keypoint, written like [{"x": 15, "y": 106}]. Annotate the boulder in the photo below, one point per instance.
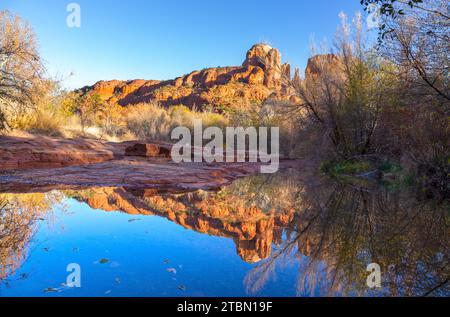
[
  {"x": 45, "y": 152},
  {"x": 148, "y": 150}
]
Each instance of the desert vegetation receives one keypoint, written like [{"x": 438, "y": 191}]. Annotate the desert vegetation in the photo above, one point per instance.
[{"x": 386, "y": 103}]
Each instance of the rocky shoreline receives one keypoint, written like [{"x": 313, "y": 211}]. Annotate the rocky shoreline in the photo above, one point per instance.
[{"x": 40, "y": 164}]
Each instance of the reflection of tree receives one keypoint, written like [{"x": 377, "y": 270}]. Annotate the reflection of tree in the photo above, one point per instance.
[
  {"x": 18, "y": 216},
  {"x": 341, "y": 228},
  {"x": 267, "y": 192}
]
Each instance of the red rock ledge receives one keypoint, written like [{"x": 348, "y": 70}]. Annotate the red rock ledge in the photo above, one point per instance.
[{"x": 38, "y": 164}]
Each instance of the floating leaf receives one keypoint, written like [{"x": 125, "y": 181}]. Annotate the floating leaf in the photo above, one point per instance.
[
  {"x": 135, "y": 219},
  {"x": 50, "y": 290},
  {"x": 103, "y": 261},
  {"x": 172, "y": 270}
]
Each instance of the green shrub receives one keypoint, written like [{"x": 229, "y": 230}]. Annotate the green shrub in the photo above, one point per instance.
[{"x": 337, "y": 169}]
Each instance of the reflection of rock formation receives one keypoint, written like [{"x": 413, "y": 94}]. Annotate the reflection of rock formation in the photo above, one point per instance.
[
  {"x": 204, "y": 212},
  {"x": 260, "y": 246}
]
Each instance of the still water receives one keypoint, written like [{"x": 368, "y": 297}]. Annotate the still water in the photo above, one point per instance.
[{"x": 266, "y": 235}]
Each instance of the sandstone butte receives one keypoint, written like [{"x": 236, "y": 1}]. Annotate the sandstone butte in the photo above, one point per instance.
[
  {"x": 261, "y": 76},
  {"x": 76, "y": 162}
]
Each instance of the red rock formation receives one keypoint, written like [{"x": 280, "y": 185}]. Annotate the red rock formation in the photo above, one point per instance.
[
  {"x": 320, "y": 63},
  {"x": 269, "y": 60},
  {"x": 149, "y": 150},
  {"x": 46, "y": 152},
  {"x": 259, "y": 78},
  {"x": 42, "y": 164}
]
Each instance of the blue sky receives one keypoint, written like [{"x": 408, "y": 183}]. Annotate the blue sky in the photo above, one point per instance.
[{"x": 163, "y": 39}]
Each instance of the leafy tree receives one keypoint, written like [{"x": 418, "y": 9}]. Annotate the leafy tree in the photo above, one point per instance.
[
  {"x": 86, "y": 107},
  {"x": 110, "y": 117},
  {"x": 388, "y": 7},
  {"x": 393, "y": 10}
]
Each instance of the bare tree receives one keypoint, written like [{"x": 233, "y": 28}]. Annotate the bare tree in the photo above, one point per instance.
[
  {"x": 20, "y": 66},
  {"x": 418, "y": 41}
]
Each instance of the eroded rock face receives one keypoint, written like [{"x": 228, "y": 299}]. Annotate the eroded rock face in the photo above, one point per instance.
[
  {"x": 41, "y": 164},
  {"x": 261, "y": 76},
  {"x": 257, "y": 79},
  {"x": 46, "y": 152},
  {"x": 269, "y": 60},
  {"x": 320, "y": 63},
  {"x": 148, "y": 150}
]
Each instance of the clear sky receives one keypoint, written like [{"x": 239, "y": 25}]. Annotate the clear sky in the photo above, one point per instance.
[{"x": 163, "y": 39}]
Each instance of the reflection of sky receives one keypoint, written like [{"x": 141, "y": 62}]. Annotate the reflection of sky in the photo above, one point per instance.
[{"x": 136, "y": 250}]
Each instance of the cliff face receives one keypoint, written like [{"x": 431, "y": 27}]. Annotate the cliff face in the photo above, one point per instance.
[
  {"x": 259, "y": 78},
  {"x": 318, "y": 64}
]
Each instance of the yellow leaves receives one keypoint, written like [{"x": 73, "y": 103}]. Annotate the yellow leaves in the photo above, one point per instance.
[
  {"x": 21, "y": 68},
  {"x": 36, "y": 203}
]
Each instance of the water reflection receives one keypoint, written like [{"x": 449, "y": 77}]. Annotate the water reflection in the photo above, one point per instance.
[
  {"x": 328, "y": 232},
  {"x": 339, "y": 229},
  {"x": 19, "y": 214}
]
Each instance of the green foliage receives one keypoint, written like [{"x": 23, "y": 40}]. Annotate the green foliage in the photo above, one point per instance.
[
  {"x": 388, "y": 9},
  {"x": 70, "y": 104},
  {"x": 389, "y": 167},
  {"x": 336, "y": 169}
]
